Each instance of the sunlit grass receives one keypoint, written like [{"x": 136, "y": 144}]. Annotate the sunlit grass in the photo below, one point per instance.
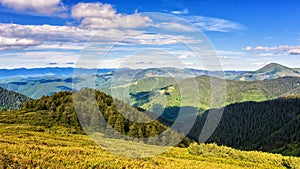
[{"x": 24, "y": 146}]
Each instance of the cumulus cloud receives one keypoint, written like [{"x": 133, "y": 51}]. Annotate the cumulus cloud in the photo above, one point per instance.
[
  {"x": 98, "y": 15},
  {"x": 214, "y": 24},
  {"x": 38, "y": 6},
  {"x": 274, "y": 50},
  {"x": 82, "y": 10},
  {"x": 17, "y": 43}
]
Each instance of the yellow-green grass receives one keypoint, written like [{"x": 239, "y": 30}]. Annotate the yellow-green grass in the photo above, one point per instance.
[{"x": 24, "y": 146}]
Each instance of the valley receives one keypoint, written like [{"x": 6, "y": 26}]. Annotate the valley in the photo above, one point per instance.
[{"x": 259, "y": 125}]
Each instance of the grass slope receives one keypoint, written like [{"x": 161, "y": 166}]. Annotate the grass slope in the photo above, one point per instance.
[{"x": 25, "y": 146}]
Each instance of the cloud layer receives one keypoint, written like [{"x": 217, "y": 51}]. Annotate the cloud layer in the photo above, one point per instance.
[
  {"x": 214, "y": 24},
  {"x": 33, "y": 45},
  {"x": 110, "y": 25},
  {"x": 38, "y": 6},
  {"x": 275, "y": 50}
]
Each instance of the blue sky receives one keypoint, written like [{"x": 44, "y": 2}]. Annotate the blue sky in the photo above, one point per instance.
[{"x": 245, "y": 34}]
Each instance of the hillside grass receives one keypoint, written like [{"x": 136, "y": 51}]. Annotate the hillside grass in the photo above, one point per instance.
[{"x": 25, "y": 146}]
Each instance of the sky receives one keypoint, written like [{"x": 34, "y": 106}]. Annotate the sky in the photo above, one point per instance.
[{"x": 202, "y": 34}]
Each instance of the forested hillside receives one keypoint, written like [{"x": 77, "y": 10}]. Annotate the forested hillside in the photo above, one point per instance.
[
  {"x": 58, "y": 110},
  {"x": 10, "y": 100},
  {"x": 272, "y": 126}
]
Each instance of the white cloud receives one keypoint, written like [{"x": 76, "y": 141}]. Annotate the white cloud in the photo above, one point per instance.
[
  {"x": 70, "y": 37},
  {"x": 98, "y": 15},
  {"x": 59, "y": 46},
  {"x": 189, "y": 63},
  {"x": 202, "y": 23},
  {"x": 214, "y": 24},
  {"x": 38, "y": 6},
  {"x": 294, "y": 51},
  {"x": 93, "y": 10},
  {"x": 181, "y": 12},
  {"x": 183, "y": 56},
  {"x": 45, "y": 32},
  {"x": 223, "y": 52},
  {"x": 16, "y": 43},
  {"x": 275, "y": 50},
  {"x": 248, "y": 48},
  {"x": 173, "y": 26},
  {"x": 265, "y": 54},
  {"x": 223, "y": 57},
  {"x": 159, "y": 39},
  {"x": 49, "y": 33},
  {"x": 263, "y": 48}
]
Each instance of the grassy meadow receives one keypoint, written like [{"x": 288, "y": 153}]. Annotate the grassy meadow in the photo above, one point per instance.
[{"x": 26, "y": 146}]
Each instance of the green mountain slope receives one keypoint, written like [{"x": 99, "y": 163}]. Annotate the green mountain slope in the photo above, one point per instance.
[
  {"x": 56, "y": 111},
  {"x": 36, "y": 87},
  {"x": 272, "y": 126},
  {"x": 10, "y": 100},
  {"x": 236, "y": 91}
]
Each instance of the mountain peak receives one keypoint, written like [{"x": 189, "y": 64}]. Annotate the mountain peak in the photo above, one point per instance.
[{"x": 272, "y": 67}]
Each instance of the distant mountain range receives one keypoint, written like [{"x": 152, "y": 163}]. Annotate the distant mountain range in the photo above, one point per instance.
[
  {"x": 40, "y": 72},
  {"x": 270, "y": 71},
  {"x": 269, "y": 82}
]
